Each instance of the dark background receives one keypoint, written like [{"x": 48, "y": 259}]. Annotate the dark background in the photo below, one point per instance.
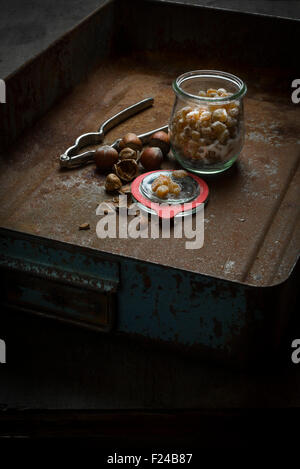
[
  {"x": 29, "y": 26},
  {"x": 41, "y": 374}
]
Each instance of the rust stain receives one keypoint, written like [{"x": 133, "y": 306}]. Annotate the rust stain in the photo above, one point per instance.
[
  {"x": 155, "y": 309},
  {"x": 173, "y": 310},
  {"x": 178, "y": 280},
  {"x": 145, "y": 277},
  {"x": 218, "y": 329},
  {"x": 196, "y": 287}
]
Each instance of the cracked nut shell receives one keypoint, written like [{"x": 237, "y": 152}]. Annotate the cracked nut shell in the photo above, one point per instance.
[
  {"x": 126, "y": 169},
  {"x": 131, "y": 140},
  {"x": 128, "y": 154},
  {"x": 106, "y": 157},
  {"x": 161, "y": 140},
  {"x": 112, "y": 183},
  {"x": 151, "y": 158}
]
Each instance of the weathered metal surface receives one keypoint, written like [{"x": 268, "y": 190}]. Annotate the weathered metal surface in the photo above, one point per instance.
[
  {"x": 248, "y": 206},
  {"x": 212, "y": 297}
]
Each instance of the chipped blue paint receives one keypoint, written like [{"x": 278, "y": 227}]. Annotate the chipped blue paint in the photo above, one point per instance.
[
  {"x": 152, "y": 301},
  {"x": 87, "y": 270},
  {"x": 179, "y": 306}
]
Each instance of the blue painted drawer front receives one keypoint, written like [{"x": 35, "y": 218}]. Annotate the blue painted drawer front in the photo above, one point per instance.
[
  {"x": 58, "y": 280},
  {"x": 57, "y": 261},
  {"x": 182, "y": 307},
  {"x": 152, "y": 301}
]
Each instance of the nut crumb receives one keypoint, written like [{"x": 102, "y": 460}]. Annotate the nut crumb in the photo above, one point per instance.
[
  {"x": 84, "y": 226},
  {"x": 126, "y": 189}
]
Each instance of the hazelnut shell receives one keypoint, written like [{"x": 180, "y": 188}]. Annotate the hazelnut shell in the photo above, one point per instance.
[
  {"x": 106, "y": 157},
  {"x": 151, "y": 158},
  {"x": 129, "y": 154},
  {"x": 161, "y": 140},
  {"x": 126, "y": 169}
]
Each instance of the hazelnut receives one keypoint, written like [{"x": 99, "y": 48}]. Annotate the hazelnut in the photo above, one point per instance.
[
  {"x": 126, "y": 169},
  {"x": 112, "y": 183},
  {"x": 161, "y": 140},
  {"x": 106, "y": 157},
  {"x": 132, "y": 141},
  {"x": 151, "y": 158},
  {"x": 128, "y": 154}
]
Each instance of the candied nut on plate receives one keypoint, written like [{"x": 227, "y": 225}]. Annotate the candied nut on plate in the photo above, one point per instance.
[
  {"x": 162, "y": 191},
  {"x": 179, "y": 173}
]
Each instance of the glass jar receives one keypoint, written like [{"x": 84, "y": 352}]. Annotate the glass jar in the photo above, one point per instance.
[{"x": 207, "y": 121}]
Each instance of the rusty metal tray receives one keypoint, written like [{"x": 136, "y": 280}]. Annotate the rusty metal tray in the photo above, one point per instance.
[{"x": 126, "y": 52}]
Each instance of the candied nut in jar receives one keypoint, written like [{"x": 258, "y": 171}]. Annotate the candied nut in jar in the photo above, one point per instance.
[
  {"x": 224, "y": 137},
  {"x": 207, "y": 121},
  {"x": 218, "y": 128},
  {"x": 220, "y": 115}
]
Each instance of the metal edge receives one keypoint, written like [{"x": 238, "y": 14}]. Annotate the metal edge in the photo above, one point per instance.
[
  {"x": 117, "y": 258},
  {"x": 222, "y": 9}
]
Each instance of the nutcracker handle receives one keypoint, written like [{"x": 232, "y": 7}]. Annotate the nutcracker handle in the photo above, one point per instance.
[{"x": 71, "y": 157}]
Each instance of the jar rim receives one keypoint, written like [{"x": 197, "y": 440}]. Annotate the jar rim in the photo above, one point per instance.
[{"x": 210, "y": 73}]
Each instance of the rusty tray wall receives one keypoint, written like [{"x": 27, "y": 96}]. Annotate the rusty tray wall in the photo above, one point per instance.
[{"x": 121, "y": 54}]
